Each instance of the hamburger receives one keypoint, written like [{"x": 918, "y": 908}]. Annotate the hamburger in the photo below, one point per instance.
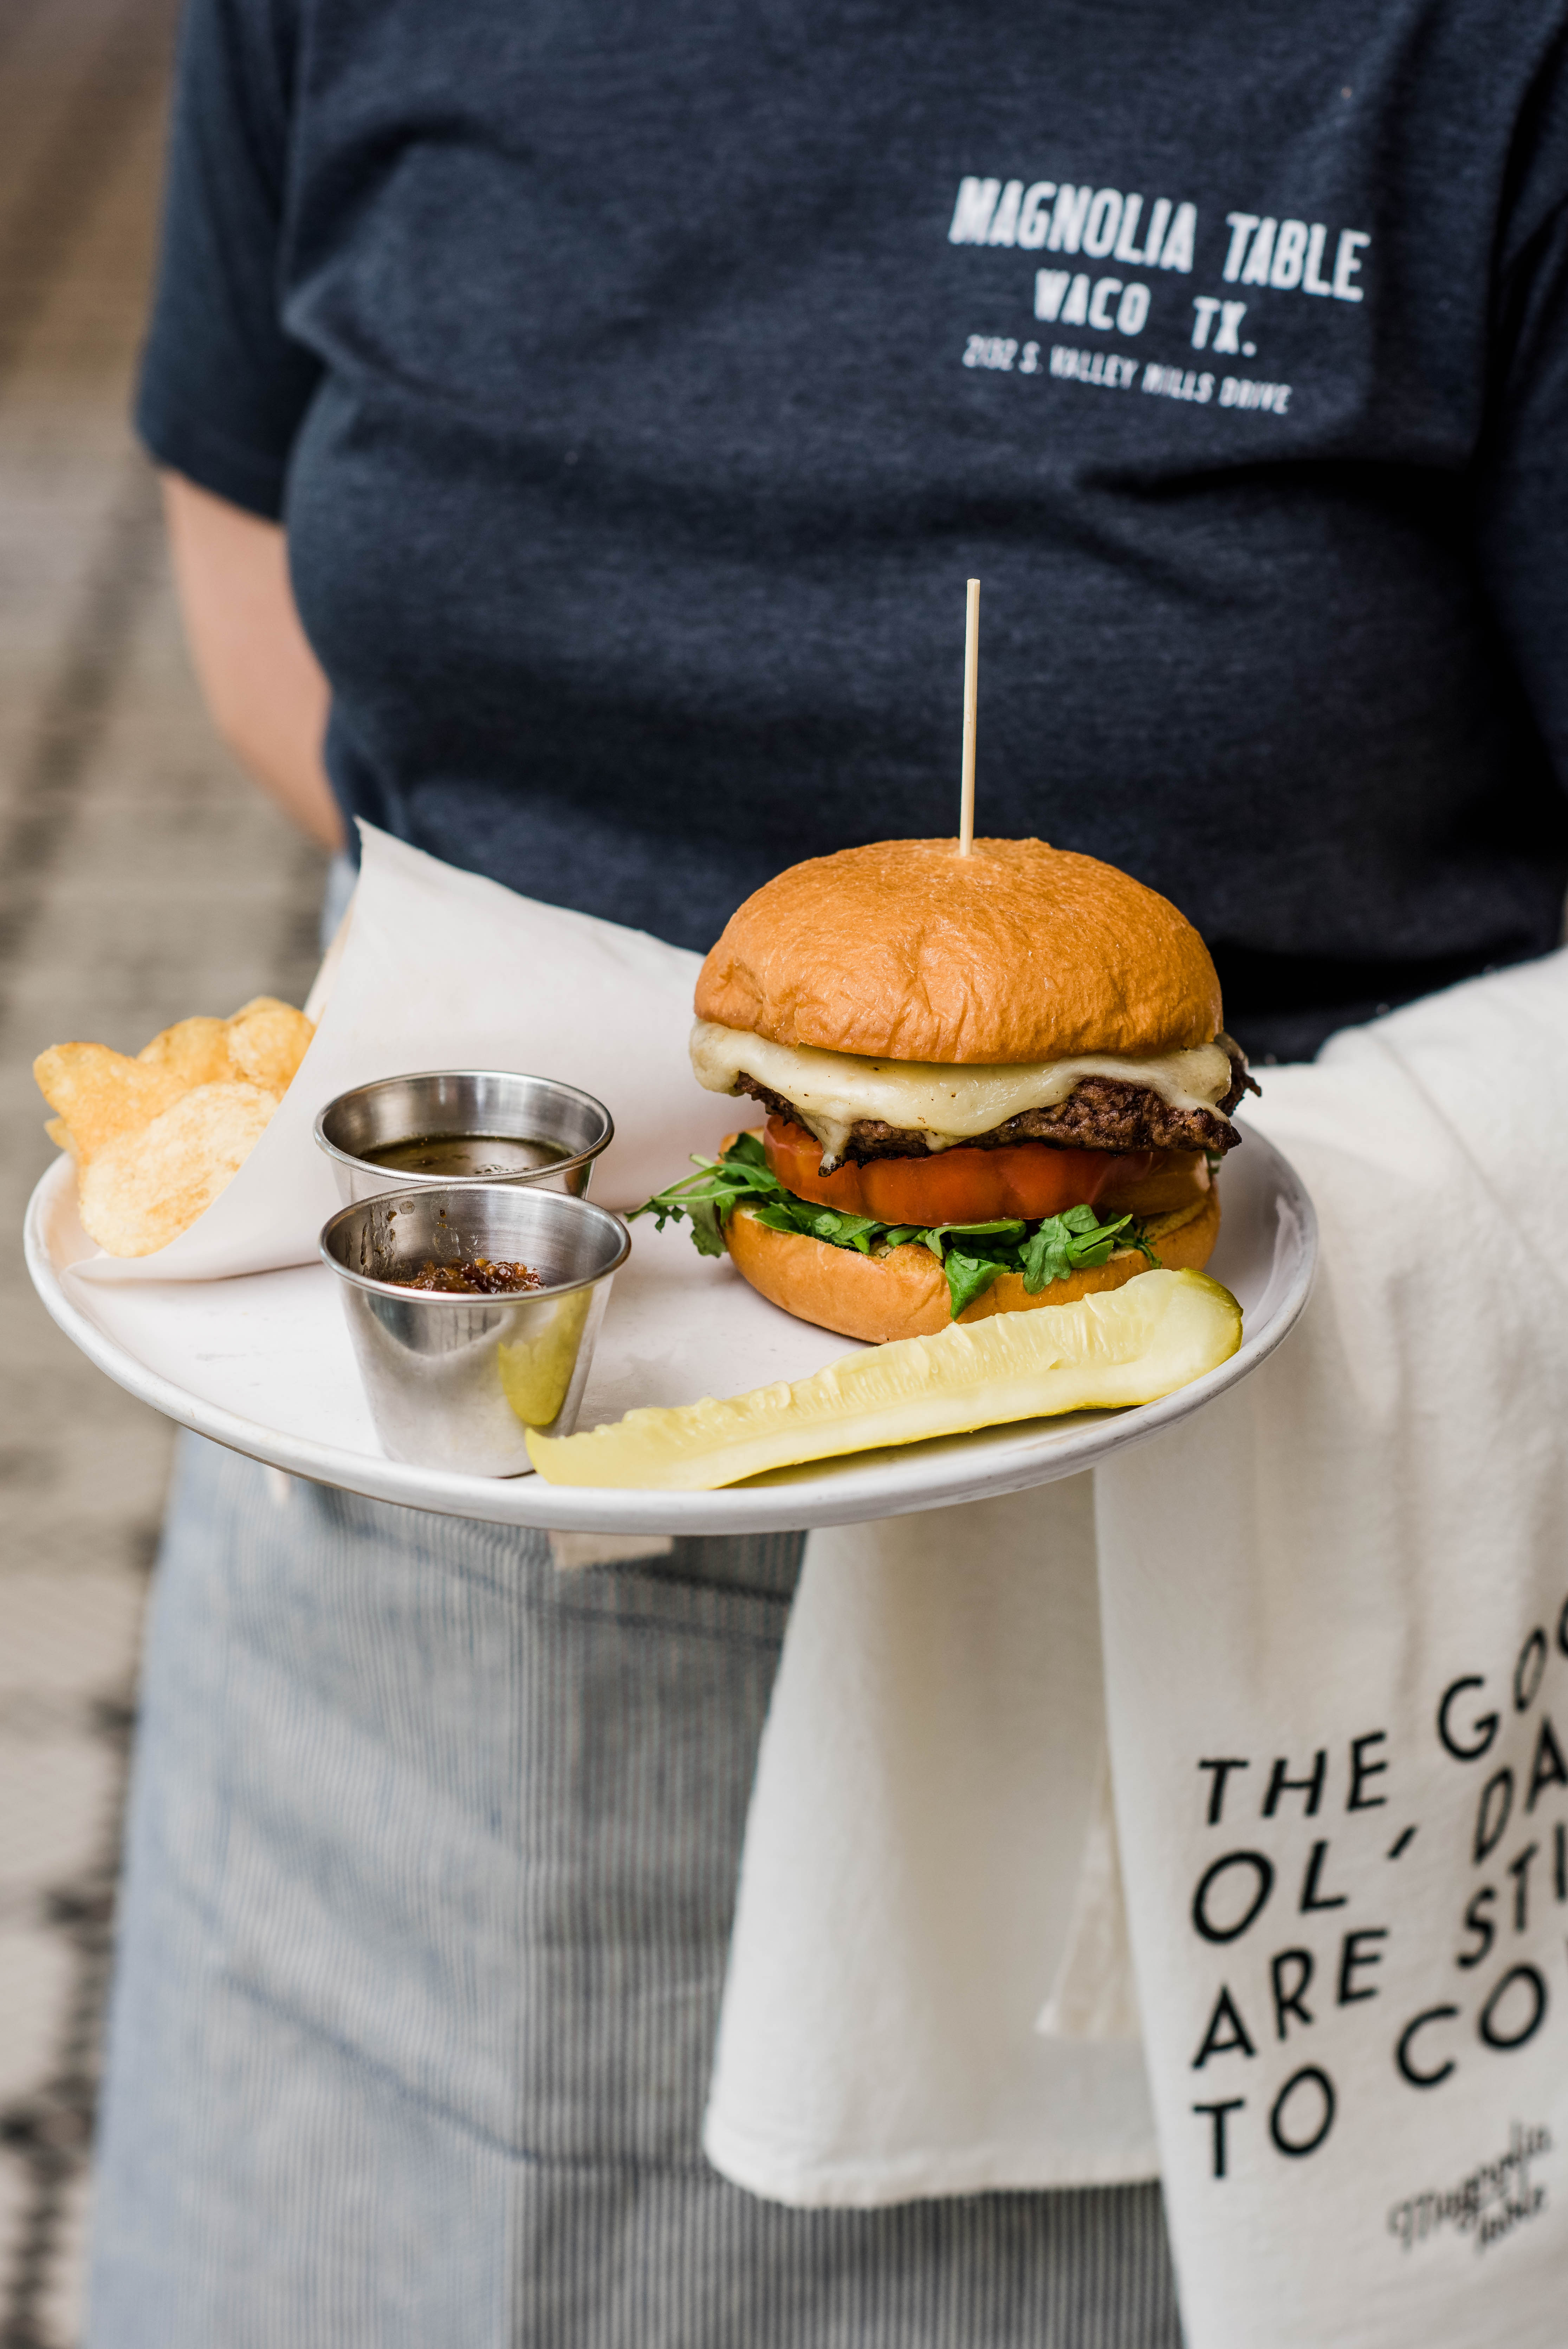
[{"x": 988, "y": 1082}]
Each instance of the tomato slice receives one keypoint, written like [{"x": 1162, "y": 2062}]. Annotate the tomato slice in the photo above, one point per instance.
[{"x": 962, "y": 1185}]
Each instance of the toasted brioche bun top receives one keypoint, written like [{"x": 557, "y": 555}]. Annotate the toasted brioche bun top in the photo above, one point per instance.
[{"x": 904, "y": 950}]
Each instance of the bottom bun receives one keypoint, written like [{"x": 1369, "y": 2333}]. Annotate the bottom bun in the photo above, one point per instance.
[{"x": 904, "y": 1294}]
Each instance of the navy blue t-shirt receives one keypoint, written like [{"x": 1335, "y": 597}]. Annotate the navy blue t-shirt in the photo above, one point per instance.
[{"x": 640, "y": 383}]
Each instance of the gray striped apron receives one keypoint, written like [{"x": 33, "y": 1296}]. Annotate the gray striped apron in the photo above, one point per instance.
[{"x": 431, "y": 1857}]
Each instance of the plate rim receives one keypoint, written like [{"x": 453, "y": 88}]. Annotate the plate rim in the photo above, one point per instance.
[{"x": 754, "y": 1508}]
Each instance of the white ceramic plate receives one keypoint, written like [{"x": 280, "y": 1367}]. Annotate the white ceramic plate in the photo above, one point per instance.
[{"x": 262, "y": 1364}]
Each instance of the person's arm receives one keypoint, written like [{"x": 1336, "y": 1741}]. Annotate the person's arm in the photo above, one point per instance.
[
  {"x": 225, "y": 388},
  {"x": 263, "y": 685}
]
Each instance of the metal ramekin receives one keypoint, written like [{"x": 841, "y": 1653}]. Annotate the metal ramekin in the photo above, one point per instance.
[
  {"x": 460, "y": 1101},
  {"x": 453, "y": 1381}
]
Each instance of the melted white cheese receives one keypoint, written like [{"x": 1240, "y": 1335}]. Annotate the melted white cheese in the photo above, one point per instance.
[{"x": 831, "y": 1091}]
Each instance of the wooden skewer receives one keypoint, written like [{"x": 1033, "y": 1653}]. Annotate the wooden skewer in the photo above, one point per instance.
[{"x": 971, "y": 715}]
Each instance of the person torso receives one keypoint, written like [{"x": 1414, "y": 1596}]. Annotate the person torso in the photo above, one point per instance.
[{"x": 681, "y": 363}]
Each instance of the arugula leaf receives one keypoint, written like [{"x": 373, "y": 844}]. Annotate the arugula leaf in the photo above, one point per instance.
[
  {"x": 779, "y": 1216},
  {"x": 968, "y": 1276},
  {"x": 707, "y": 1227},
  {"x": 972, "y": 1255},
  {"x": 705, "y": 1198},
  {"x": 819, "y": 1223},
  {"x": 1069, "y": 1243}
]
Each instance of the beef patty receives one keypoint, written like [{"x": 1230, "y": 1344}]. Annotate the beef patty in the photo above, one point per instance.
[{"x": 1099, "y": 1113}]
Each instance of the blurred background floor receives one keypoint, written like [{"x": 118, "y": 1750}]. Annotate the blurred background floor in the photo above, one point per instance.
[{"x": 140, "y": 879}]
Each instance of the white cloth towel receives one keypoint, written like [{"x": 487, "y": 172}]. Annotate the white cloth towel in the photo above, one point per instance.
[
  {"x": 929, "y": 1778},
  {"x": 1335, "y": 1617}
]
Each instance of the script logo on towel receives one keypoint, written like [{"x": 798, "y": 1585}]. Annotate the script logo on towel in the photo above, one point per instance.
[{"x": 1489, "y": 2203}]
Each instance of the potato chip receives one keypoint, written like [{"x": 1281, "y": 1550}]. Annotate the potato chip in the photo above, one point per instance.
[
  {"x": 143, "y": 1189},
  {"x": 267, "y": 1041},
  {"x": 102, "y": 1094},
  {"x": 196, "y": 1051},
  {"x": 157, "y": 1138}
]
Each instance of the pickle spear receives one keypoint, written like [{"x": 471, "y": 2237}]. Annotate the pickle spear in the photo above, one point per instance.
[{"x": 1128, "y": 1345}]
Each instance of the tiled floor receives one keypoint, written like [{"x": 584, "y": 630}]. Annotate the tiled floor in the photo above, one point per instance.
[{"x": 140, "y": 880}]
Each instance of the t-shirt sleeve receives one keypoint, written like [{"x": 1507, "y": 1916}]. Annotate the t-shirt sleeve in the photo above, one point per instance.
[
  {"x": 1524, "y": 477},
  {"x": 223, "y": 388}
]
